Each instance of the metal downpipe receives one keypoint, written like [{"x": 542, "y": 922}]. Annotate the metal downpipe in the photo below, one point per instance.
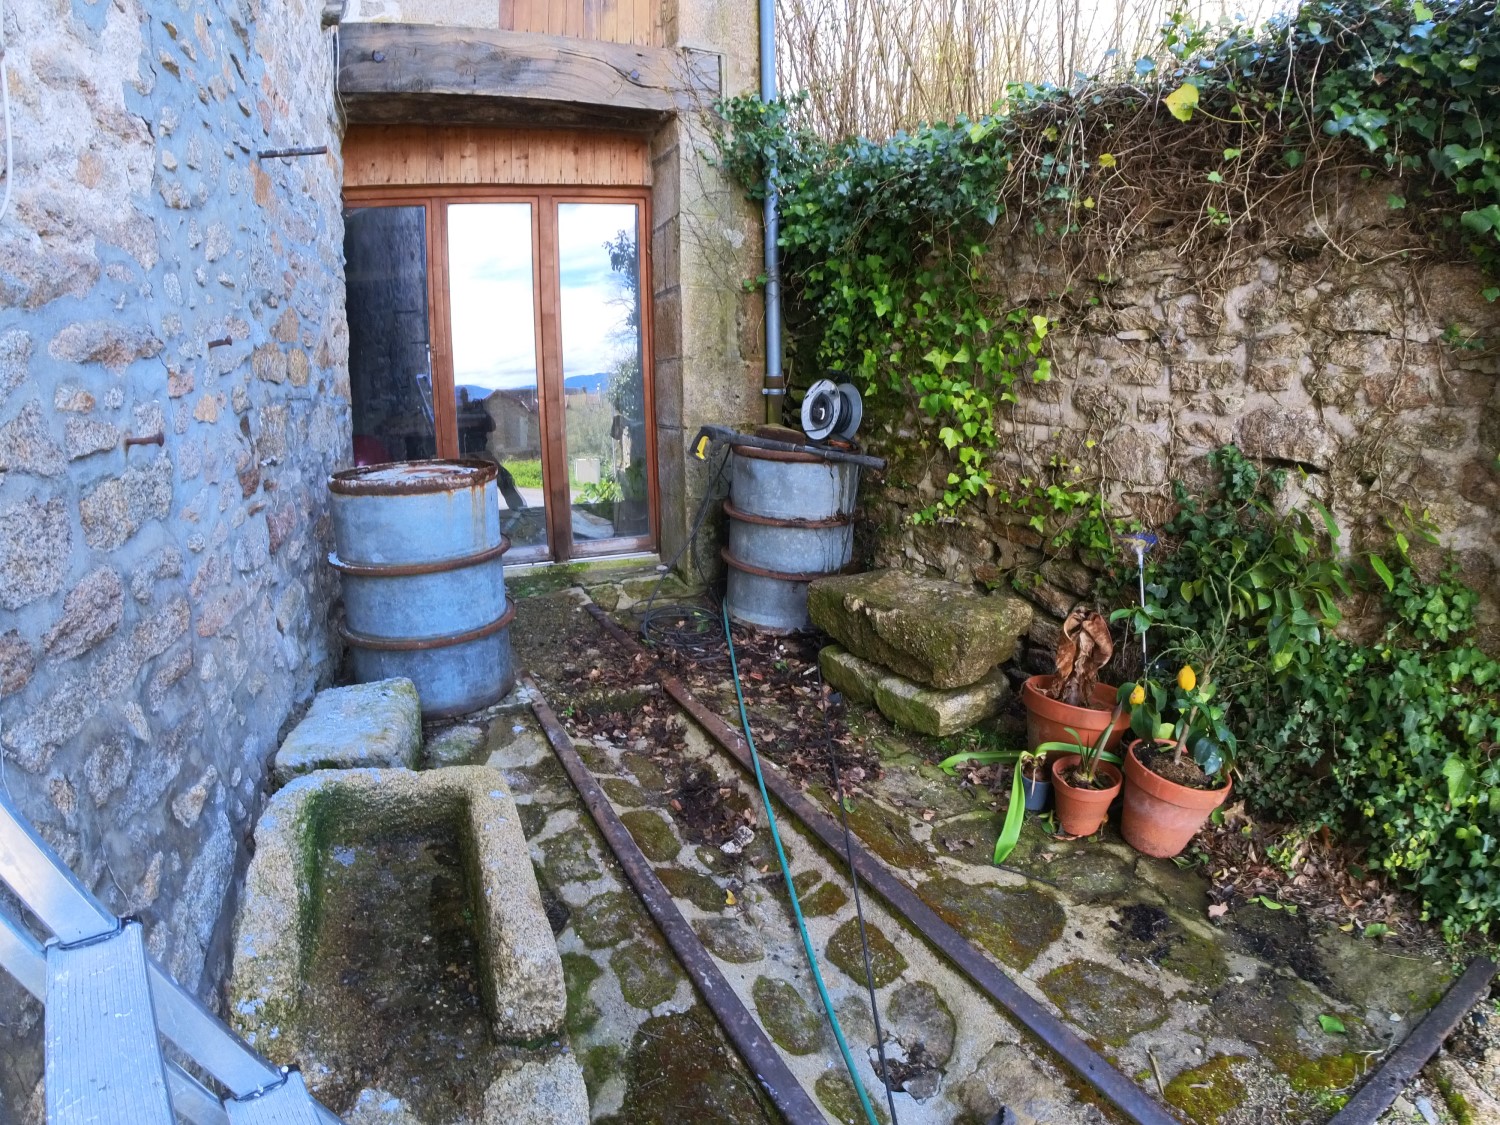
[{"x": 775, "y": 381}]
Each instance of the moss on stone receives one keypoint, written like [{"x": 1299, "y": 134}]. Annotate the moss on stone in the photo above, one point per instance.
[
  {"x": 784, "y": 1014},
  {"x": 567, "y": 858},
  {"x": 645, "y": 771},
  {"x": 886, "y": 832},
  {"x": 1105, "y": 1004},
  {"x": 1329, "y": 1072},
  {"x": 626, "y": 794},
  {"x": 652, "y": 834},
  {"x": 1013, "y": 923},
  {"x": 647, "y": 972},
  {"x": 835, "y": 1091},
  {"x": 681, "y": 1069},
  {"x": 579, "y": 972},
  {"x": 845, "y": 951},
  {"x": 600, "y": 1064},
  {"x": 609, "y": 919},
  {"x": 698, "y": 889},
  {"x": 827, "y": 899},
  {"x": 1206, "y": 1093},
  {"x": 533, "y": 818},
  {"x": 730, "y": 940}
]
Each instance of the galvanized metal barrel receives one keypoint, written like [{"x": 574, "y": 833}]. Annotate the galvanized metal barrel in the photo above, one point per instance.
[
  {"x": 791, "y": 520},
  {"x": 419, "y": 548}
]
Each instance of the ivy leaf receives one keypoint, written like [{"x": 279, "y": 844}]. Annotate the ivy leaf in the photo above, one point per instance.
[
  {"x": 1144, "y": 66},
  {"x": 1107, "y": 160},
  {"x": 1182, "y": 101},
  {"x": 1397, "y": 202},
  {"x": 1490, "y": 294},
  {"x": 1376, "y": 929},
  {"x": 1460, "y": 776},
  {"x": 1293, "y": 158},
  {"x": 1332, "y": 1025}
]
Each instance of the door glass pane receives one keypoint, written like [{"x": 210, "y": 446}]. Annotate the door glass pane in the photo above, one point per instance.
[
  {"x": 390, "y": 369},
  {"x": 491, "y": 295},
  {"x": 603, "y": 383}
]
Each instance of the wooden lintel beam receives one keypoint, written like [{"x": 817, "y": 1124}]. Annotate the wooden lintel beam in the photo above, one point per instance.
[{"x": 408, "y": 72}]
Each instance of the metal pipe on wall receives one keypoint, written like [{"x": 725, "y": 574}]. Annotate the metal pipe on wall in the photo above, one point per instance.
[{"x": 775, "y": 381}]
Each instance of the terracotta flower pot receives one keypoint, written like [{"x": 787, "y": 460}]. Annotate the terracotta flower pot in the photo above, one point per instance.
[
  {"x": 1047, "y": 720},
  {"x": 1081, "y": 811},
  {"x": 1160, "y": 816}
]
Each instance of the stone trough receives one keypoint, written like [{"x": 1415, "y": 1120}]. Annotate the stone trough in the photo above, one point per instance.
[{"x": 331, "y": 813}]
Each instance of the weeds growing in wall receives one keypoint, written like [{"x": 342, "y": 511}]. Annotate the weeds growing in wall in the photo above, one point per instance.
[{"x": 884, "y": 244}]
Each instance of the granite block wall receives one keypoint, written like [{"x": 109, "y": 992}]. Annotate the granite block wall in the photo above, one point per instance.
[{"x": 164, "y": 608}]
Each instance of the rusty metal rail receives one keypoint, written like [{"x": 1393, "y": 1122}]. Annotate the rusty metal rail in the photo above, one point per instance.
[
  {"x": 1379, "y": 1091},
  {"x": 1129, "y": 1098},
  {"x": 749, "y": 1039}
]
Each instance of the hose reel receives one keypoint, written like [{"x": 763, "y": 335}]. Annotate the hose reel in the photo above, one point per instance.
[{"x": 832, "y": 410}]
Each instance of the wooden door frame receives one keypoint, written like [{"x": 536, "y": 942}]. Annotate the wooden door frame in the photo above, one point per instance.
[{"x": 546, "y": 311}]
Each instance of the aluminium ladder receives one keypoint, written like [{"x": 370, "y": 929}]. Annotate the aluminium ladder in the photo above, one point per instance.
[{"x": 109, "y": 1006}]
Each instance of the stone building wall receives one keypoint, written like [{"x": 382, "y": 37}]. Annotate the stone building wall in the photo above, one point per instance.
[
  {"x": 163, "y": 608},
  {"x": 1332, "y": 349}
]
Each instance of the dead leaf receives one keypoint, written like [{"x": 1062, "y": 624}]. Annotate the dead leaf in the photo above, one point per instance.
[{"x": 1218, "y": 910}]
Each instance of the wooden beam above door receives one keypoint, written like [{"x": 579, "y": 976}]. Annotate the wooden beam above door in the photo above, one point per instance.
[{"x": 414, "y": 73}]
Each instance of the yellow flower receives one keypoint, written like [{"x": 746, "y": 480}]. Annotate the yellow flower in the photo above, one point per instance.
[
  {"x": 1138, "y": 696},
  {"x": 1187, "y": 679}
]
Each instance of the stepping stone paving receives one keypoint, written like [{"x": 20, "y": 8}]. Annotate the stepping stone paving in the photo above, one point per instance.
[{"x": 1119, "y": 946}]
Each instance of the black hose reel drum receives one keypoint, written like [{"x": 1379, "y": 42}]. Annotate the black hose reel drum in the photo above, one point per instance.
[{"x": 831, "y": 410}]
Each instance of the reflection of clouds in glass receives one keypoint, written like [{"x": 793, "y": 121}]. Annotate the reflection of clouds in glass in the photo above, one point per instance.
[
  {"x": 490, "y": 293},
  {"x": 593, "y": 314}
]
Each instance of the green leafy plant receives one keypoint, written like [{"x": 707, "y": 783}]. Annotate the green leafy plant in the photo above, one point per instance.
[{"x": 1392, "y": 741}]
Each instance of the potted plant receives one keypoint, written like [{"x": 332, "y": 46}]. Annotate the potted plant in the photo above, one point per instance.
[
  {"x": 1084, "y": 780},
  {"x": 1177, "y": 767},
  {"x": 1035, "y": 783},
  {"x": 1073, "y": 700}
]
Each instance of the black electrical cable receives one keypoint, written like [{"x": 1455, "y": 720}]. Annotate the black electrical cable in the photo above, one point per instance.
[
  {"x": 681, "y": 626},
  {"x": 831, "y": 702}
]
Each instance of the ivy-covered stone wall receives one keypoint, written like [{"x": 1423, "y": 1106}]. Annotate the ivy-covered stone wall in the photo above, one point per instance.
[
  {"x": 163, "y": 607},
  {"x": 1342, "y": 350}
]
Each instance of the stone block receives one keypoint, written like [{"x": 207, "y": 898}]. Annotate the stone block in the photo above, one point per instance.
[
  {"x": 935, "y": 712},
  {"x": 376, "y": 724},
  {"x": 106, "y": 342},
  {"x": 35, "y": 542},
  {"x": 933, "y": 632},
  {"x": 91, "y": 612},
  {"x": 27, "y": 447},
  {"x": 520, "y": 972},
  {"x": 847, "y": 673},
  {"x": 1287, "y": 435},
  {"x": 538, "y": 1092}
]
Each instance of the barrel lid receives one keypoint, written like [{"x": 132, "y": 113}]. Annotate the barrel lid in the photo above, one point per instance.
[{"x": 413, "y": 478}]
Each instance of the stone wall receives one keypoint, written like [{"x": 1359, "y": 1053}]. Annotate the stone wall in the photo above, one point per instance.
[
  {"x": 164, "y": 607},
  {"x": 1331, "y": 349}
]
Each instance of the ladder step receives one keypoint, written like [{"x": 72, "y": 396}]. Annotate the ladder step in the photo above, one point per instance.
[
  {"x": 287, "y": 1104},
  {"x": 103, "y": 1056}
]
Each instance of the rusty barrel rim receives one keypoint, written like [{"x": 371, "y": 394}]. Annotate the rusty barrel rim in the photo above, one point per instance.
[
  {"x": 414, "y": 478},
  {"x": 412, "y": 570},
  {"x": 781, "y": 576},
  {"x": 786, "y": 521},
  {"x": 427, "y": 644}
]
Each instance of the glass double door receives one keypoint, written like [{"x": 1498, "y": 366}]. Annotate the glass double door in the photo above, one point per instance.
[{"x": 510, "y": 329}]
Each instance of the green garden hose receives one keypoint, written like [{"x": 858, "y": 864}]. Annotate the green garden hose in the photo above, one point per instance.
[{"x": 791, "y": 890}]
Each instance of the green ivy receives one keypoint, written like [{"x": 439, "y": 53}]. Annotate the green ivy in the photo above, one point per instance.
[
  {"x": 1393, "y": 741},
  {"x": 884, "y": 243}
]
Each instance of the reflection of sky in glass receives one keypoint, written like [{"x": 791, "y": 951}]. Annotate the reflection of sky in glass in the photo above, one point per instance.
[
  {"x": 594, "y": 309},
  {"x": 490, "y": 289}
]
